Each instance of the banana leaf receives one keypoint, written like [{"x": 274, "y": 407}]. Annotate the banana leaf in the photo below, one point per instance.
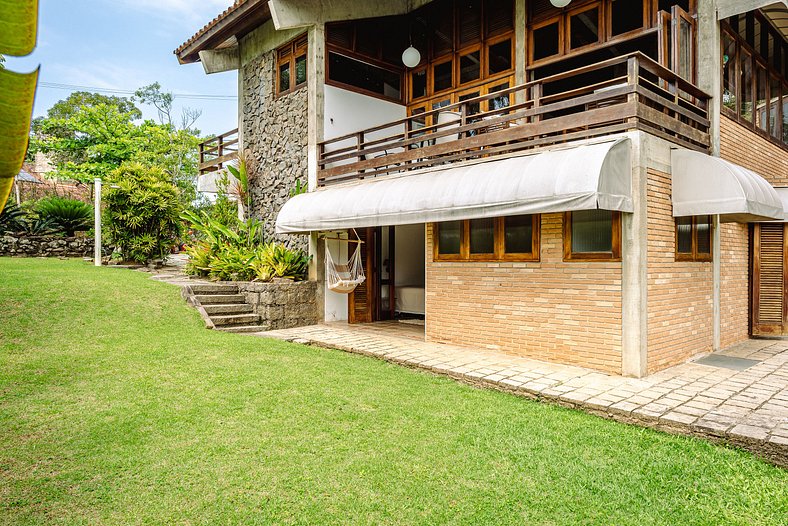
[
  {"x": 17, "y": 92},
  {"x": 18, "y": 26}
]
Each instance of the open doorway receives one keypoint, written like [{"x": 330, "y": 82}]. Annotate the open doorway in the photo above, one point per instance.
[{"x": 394, "y": 263}]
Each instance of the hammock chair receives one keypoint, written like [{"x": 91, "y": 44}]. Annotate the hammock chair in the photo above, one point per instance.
[{"x": 343, "y": 279}]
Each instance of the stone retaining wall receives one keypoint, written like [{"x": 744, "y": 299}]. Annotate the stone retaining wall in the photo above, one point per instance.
[
  {"x": 45, "y": 246},
  {"x": 282, "y": 305}
]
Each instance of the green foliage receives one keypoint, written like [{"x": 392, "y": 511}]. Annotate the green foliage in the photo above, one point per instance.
[
  {"x": 12, "y": 218},
  {"x": 68, "y": 215},
  {"x": 238, "y": 253},
  {"x": 298, "y": 189},
  {"x": 240, "y": 189},
  {"x": 143, "y": 211},
  {"x": 275, "y": 260},
  {"x": 36, "y": 226},
  {"x": 78, "y": 100}
]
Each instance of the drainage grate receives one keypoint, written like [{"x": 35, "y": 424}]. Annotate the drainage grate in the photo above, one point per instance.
[{"x": 727, "y": 362}]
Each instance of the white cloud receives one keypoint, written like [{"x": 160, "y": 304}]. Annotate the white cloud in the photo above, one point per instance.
[{"x": 190, "y": 11}]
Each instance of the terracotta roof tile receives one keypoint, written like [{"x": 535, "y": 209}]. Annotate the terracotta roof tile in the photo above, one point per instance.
[{"x": 210, "y": 25}]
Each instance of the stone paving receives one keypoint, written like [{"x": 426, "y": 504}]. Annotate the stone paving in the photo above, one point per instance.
[{"x": 748, "y": 408}]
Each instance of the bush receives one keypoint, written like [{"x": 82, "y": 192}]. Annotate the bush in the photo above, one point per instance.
[
  {"x": 67, "y": 215},
  {"x": 12, "y": 218},
  {"x": 143, "y": 212},
  {"x": 238, "y": 253}
]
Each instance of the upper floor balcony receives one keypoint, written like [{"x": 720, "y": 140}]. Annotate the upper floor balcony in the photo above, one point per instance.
[
  {"x": 631, "y": 92},
  {"x": 218, "y": 151}
]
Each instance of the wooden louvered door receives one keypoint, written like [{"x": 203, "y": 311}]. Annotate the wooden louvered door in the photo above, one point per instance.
[
  {"x": 769, "y": 280},
  {"x": 362, "y": 301}
]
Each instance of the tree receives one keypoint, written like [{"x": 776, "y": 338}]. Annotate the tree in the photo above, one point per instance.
[
  {"x": 72, "y": 104},
  {"x": 143, "y": 212},
  {"x": 162, "y": 101}
]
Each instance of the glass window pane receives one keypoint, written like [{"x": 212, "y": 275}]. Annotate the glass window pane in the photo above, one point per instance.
[
  {"x": 626, "y": 16},
  {"x": 500, "y": 57},
  {"x": 518, "y": 234},
  {"x": 470, "y": 67},
  {"x": 300, "y": 69},
  {"x": 441, "y": 76},
  {"x": 746, "y": 86},
  {"x": 785, "y": 113},
  {"x": 592, "y": 231},
  {"x": 546, "y": 41},
  {"x": 774, "y": 107},
  {"x": 284, "y": 76},
  {"x": 704, "y": 234},
  {"x": 482, "y": 232},
  {"x": 728, "y": 72},
  {"x": 500, "y": 102},
  {"x": 364, "y": 76},
  {"x": 762, "y": 102},
  {"x": 449, "y": 237},
  {"x": 419, "y": 84},
  {"x": 685, "y": 49},
  {"x": 584, "y": 28},
  {"x": 684, "y": 235}
]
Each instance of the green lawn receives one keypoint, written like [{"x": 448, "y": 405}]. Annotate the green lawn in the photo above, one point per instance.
[{"x": 117, "y": 407}]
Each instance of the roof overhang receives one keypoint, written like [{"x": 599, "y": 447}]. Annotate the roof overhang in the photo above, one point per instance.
[
  {"x": 224, "y": 31},
  {"x": 775, "y": 10},
  {"x": 706, "y": 185},
  {"x": 585, "y": 177}
]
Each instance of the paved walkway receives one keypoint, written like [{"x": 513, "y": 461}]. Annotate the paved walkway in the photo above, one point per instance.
[{"x": 747, "y": 408}]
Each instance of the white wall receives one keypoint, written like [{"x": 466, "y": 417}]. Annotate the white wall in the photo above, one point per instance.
[
  {"x": 409, "y": 255},
  {"x": 348, "y": 112}
]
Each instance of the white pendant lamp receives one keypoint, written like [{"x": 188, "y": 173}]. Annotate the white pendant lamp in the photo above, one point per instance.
[
  {"x": 411, "y": 57},
  {"x": 560, "y": 3}
]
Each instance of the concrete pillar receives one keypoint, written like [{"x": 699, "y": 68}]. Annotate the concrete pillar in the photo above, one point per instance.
[
  {"x": 316, "y": 76},
  {"x": 634, "y": 278},
  {"x": 716, "y": 268},
  {"x": 520, "y": 37}
]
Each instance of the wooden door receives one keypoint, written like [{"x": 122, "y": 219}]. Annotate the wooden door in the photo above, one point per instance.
[
  {"x": 769, "y": 280},
  {"x": 362, "y": 301}
]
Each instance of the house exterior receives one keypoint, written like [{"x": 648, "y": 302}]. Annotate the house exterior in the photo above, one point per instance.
[{"x": 598, "y": 184}]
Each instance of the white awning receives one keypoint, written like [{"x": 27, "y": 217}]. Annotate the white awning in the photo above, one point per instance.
[
  {"x": 706, "y": 185},
  {"x": 585, "y": 177},
  {"x": 783, "y": 193}
]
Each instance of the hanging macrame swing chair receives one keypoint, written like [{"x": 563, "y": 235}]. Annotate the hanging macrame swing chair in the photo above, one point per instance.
[{"x": 343, "y": 279}]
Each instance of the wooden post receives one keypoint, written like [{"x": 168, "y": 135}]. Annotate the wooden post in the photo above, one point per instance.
[
  {"x": 536, "y": 95},
  {"x": 633, "y": 79}
]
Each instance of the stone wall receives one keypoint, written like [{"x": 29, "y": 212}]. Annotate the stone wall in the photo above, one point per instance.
[
  {"x": 284, "y": 304},
  {"x": 45, "y": 246},
  {"x": 275, "y": 143}
]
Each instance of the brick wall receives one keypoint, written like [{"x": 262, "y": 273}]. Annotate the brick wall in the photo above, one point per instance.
[
  {"x": 679, "y": 293},
  {"x": 567, "y": 312},
  {"x": 734, "y": 284},
  {"x": 744, "y": 147}
]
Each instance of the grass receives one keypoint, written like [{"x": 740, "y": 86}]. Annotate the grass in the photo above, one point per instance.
[{"x": 117, "y": 407}]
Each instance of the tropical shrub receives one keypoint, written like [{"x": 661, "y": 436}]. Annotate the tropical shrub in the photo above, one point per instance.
[
  {"x": 12, "y": 218},
  {"x": 68, "y": 215},
  {"x": 35, "y": 226},
  {"x": 143, "y": 212},
  {"x": 238, "y": 253}
]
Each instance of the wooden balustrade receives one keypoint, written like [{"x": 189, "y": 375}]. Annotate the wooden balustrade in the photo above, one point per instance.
[
  {"x": 631, "y": 92},
  {"x": 218, "y": 151}
]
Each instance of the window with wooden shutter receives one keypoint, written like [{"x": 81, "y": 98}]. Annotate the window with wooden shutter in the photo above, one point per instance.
[
  {"x": 362, "y": 300},
  {"x": 291, "y": 65},
  {"x": 769, "y": 279}
]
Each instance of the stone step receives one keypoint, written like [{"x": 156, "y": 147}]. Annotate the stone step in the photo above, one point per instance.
[
  {"x": 199, "y": 288},
  {"x": 220, "y": 299},
  {"x": 241, "y": 328},
  {"x": 235, "y": 319},
  {"x": 233, "y": 308}
]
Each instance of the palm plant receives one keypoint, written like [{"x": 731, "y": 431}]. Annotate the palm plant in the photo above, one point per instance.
[
  {"x": 12, "y": 218},
  {"x": 68, "y": 215}
]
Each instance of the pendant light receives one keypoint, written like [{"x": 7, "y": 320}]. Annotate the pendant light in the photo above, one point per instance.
[
  {"x": 560, "y": 3},
  {"x": 411, "y": 57}
]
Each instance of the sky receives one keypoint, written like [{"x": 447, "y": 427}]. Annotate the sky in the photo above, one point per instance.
[{"x": 124, "y": 45}]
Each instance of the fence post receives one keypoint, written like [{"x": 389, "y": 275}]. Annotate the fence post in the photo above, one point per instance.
[{"x": 97, "y": 222}]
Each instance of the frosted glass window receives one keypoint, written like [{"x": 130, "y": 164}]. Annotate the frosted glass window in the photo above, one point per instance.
[
  {"x": 449, "y": 237},
  {"x": 482, "y": 232},
  {"x": 684, "y": 235},
  {"x": 518, "y": 234},
  {"x": 592, "y": 231}
]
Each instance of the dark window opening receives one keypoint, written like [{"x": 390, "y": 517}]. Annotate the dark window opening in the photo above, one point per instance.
[
  {"x": 546, "y": 41},
  {"x": 626, "y": 16},
  {"x": 584, "y": 28},
  {"x": 366, "y": 77}
]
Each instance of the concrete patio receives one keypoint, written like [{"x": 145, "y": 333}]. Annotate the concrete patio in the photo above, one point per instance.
[{"x": 737, "y": 396}]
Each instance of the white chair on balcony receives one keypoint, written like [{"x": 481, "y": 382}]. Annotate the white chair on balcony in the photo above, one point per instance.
[{"x": 447, "y": 120}]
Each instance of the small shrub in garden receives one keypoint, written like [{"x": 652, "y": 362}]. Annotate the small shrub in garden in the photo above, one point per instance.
[
  {"x": 67, "y": 215},
  {"x": 142, "y": 217},
  {"x": 12, "y": 218},
  {"x": 275, "y": 260}
]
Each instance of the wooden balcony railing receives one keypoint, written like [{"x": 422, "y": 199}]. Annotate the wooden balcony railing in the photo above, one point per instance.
[
  {"x": 218, "y": 151},
  {"x": 632, "y": 92}
]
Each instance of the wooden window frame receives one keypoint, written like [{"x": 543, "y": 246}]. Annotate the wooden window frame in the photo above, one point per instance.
[
  {"x": 743, "y": 47},
  {"x": 292, "y": 50},
  {"x": 561, "y": 37},
  {"x": 612, "y": 256},
  {"x": 694, "y": 256},
  {"x": 601, "y": 29},
  {"x": 371, "y": 62},
  {"x": 499, "y": 253},
  {"x": 648, "y": 21},
  {"x": 458, "y": 68},
  {"x": 512, "y": 59}
]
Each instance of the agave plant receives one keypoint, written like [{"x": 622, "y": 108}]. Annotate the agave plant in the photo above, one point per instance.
[
  {"x": 68, "y": 215},
  {"x": 37, "y": 226}
]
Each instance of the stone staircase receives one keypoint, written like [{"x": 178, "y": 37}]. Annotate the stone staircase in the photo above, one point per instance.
[{"x": 223, "y": 307}]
